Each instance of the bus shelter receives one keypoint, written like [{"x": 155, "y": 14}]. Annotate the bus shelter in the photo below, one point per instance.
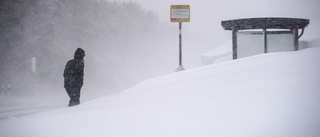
[{"x": 254, "y": 36}]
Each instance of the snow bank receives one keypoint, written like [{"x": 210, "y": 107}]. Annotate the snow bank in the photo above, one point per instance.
[
  {"x": 269, "y": 95},
  {"x": 220, "y": 54}
]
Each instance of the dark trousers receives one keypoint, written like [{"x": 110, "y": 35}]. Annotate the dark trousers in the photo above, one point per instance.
[{"x": 74, "y": 94}]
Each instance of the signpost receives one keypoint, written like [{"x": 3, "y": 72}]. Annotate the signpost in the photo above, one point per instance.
[
  {"x": 34, "y": 70},
  {"x": 33, "y": 65},
  {"x": 180, "y": 13}
]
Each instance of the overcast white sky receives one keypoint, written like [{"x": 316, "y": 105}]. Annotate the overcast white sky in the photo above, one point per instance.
[
  {"x": 206, "y": 10},
  {"x": 206, "y": 15}
]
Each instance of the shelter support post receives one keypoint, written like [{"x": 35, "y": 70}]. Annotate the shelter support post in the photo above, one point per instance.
[
  {"x": 234, "y": 42},
  {"x": 265, "y": 40},
  {"x": 296, "y": 37}
]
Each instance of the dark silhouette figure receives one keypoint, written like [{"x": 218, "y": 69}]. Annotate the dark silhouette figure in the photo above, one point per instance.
[{"x": 73, "y": 77}]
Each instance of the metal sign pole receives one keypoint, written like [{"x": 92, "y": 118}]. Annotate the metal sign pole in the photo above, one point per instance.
[
  {"x": 180, "y": 43},
  {"x": 180, "y": 68},
  {"x": 33, "y": 71}
]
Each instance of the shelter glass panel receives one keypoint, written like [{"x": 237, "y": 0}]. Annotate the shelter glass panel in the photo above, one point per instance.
[
  {"x": 249, "y": 45},
  {"x": 280, "y": 42}
]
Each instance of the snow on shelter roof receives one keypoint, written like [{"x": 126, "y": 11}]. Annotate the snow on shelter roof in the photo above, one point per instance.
[{"x": 268, "y": 23}]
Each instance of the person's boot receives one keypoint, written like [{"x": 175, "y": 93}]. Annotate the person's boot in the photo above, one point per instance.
[
  {"x": 70, "y": 102},
  {"x": 73, "y": 102},
  {"x": 77, "y": 101}
]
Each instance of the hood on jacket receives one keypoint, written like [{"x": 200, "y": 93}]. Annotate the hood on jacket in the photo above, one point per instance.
[{"x": 79, "y": 54}]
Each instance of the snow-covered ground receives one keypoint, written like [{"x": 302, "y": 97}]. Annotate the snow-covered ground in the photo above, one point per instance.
[{"x": 269, "y": 95}]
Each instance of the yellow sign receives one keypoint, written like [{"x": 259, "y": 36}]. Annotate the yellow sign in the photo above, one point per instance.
[{"x": 180, "y": 13}]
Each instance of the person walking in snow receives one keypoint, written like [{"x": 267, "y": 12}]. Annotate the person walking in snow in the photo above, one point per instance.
[{"x": 73, "y": 77}]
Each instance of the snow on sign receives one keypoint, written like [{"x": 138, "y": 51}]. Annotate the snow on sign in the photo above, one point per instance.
[{"x": 180, "y": 13}]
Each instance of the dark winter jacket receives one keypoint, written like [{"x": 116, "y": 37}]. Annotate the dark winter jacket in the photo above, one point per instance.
[{"x": 73, "y": 72}]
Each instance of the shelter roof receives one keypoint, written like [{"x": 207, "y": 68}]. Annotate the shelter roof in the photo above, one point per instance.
[{"x": 268, "y": 23}]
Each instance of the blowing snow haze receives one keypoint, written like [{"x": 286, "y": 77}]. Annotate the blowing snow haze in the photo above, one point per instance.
[
  {"x": 125, "y": 41},
  {"x": 124, "y": 44}
]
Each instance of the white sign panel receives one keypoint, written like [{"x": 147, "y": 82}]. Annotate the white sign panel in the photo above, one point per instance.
[{"x": 180, "y": 13}]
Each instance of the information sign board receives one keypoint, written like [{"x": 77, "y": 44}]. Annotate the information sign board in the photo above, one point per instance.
[{"x": 180, "y": 13}]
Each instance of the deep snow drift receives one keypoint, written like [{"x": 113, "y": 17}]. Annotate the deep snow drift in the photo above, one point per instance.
[{"x": 269, "y": 95}]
